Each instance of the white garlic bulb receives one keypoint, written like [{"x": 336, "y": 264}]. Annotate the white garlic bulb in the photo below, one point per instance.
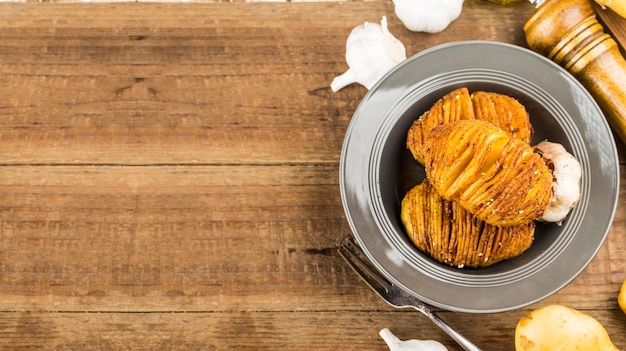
[
  {"x": 430, "y": 16},
  {"x": 395, "y": 344},
  {"x": 566, "y": 172},
  {"x": 371, "y": 52}
]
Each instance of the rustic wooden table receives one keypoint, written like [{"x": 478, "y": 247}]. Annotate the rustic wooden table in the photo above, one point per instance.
[{"x": 169, "y": 180}]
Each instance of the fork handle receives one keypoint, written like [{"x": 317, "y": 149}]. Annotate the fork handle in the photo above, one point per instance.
[{"x": 460, "y": 339}]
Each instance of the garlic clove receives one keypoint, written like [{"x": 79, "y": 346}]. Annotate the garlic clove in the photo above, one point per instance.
[
  {"x": 566, "y": 172},
  {"x": 371, "y": 52},
  {"x": 430, "y": 16},
  {"x": 395, "y": 344}
]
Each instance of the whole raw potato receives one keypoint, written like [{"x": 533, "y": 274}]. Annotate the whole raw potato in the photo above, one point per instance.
[{"x": 560, "y": 328}]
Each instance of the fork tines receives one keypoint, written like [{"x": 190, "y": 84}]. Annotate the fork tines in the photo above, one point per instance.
[{"x": 355, "y": 257}]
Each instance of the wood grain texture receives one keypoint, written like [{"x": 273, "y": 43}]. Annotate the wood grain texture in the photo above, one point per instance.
[
  {"x": 613, "y": 24},
  {"x": 169, "y": 180}
]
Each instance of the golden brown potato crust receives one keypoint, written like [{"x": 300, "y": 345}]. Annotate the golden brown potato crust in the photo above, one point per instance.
[
  {"x": 501, "y": 110},
  {"x": 498, "y": 178},
  {"x": 485, "y": 184},
  {"x": 505, "y": 112},
  {"x": 451, "y": 235},
  {"x": 454, "y": 106}
]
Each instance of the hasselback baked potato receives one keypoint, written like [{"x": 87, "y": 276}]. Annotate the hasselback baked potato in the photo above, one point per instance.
[
  {"x": 485, "y": 184},
  {"x": 451, "y": 235},
  {"x": 501, "y": 110},
  {"x": 496, "y": 177}
]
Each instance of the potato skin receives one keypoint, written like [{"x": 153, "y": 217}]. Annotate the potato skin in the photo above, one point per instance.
[{"x": 558, "y": 327}]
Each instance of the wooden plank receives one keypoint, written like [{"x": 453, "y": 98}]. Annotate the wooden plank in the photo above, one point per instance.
[
  {"x": 613, "y": 24},
  {"x": 169, "y": 180},
  {"x": 355, "y": 330},
  {"x": 218, "y": 331},
  {"x": 148, "y": 238},
  {"x": 202, "y": 84},
  {"x": 184, "y": 238}
]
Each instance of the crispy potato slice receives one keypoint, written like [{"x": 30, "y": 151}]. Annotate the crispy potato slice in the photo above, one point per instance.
[
  {"x": 454, "y": 106},
  {"x": 503, "y": 111},
  {"x": 496, "y": 177},
  {"x": 498, "y": 109},
  {"x": 449, "y": 234}
]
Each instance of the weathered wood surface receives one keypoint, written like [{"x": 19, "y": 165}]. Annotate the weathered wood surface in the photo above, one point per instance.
[{"x": 169, "y": 181}]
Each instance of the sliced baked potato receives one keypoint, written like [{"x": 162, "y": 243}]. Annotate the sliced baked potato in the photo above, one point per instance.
[
  {"x": 496, "y": 177},
  {"x": 450, "y": 234},
  {"x": 501, "y": 110}
]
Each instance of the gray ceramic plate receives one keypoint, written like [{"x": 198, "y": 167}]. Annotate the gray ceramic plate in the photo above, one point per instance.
[{"x": 377, "y": 170}]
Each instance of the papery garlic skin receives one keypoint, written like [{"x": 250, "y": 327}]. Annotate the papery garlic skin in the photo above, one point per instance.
[
  {"x": 371, "y": 52},
  {"x": 567, "y": 172},
  {"x": 395, "y": 344},
  {"x": 430, "y": 16}
]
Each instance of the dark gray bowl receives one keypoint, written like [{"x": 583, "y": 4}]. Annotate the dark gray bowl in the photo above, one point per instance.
[{"x": 377, "y": 170}]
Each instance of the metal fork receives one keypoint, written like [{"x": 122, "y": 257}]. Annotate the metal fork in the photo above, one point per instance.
[{"x": 392, "y": 294}]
